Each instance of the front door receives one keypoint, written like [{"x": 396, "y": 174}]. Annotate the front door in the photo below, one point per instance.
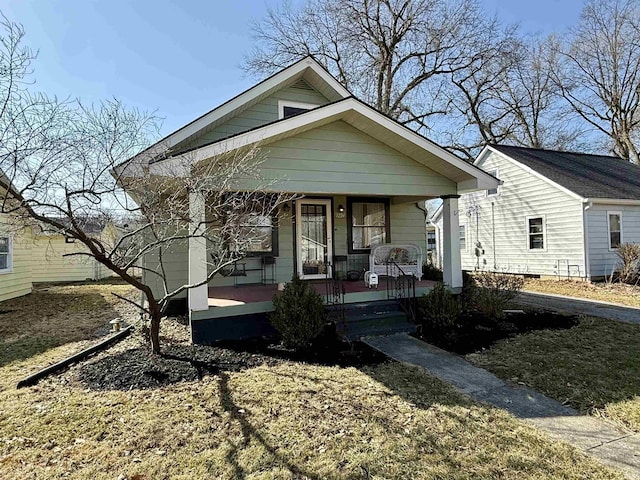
[{"x": 313, "y": 238}]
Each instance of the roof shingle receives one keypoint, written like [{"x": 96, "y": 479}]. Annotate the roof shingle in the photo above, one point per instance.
[{"x": 590, "y": 176}]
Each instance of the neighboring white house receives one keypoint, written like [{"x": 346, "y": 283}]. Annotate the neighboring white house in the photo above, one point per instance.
[
  {"x": 557, "y": 214},
  {"x": 58, "y": 258}
]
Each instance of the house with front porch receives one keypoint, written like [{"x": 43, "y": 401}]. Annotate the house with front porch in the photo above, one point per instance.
[{"x": 359, "y": 178}]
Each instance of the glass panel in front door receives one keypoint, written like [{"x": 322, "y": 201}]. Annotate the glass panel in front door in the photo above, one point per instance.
[{"x": 314, "y": 239}]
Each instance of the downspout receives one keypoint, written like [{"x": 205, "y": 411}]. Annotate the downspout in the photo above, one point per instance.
[
  {"x": 493, "y": 235},
  {"x": 426, "y": 235},
  {"x": 585, "y": 232}
]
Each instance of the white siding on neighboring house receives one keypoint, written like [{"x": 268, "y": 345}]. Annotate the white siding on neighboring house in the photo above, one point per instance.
[
  {"x": 500, "y": 223},
  {"x": 603, "y": 259}
]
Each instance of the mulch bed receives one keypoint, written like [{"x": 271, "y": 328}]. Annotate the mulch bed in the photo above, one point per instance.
[
  {"x": 130, "y": 364},
  {"x": 474, "y": 332}
]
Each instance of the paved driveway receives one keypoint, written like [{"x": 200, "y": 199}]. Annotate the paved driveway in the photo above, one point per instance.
[{"x": 580, "y": 305}]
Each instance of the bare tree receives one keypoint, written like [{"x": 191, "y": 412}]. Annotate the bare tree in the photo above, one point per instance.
[
  {"x": 65, "y": 165},
  {"x": 509, "y": 96},
  {"x": 394, "y": 54},
  {"x": 599, "y": 72}
]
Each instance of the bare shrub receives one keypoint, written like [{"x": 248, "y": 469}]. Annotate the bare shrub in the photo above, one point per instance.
[
  {"x": 494, "y": 291},
  {"x": 629, "y": 265},
  {"x": 439, "y": 309}
]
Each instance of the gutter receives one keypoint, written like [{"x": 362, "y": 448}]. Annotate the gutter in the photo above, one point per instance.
[{"x": 610, "y": 201}]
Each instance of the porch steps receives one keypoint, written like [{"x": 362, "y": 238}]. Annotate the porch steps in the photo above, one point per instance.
[{"x": 374, "y": 319}]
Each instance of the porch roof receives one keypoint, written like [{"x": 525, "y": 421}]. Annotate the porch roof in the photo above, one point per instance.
[{"x": 467, "y": 176}]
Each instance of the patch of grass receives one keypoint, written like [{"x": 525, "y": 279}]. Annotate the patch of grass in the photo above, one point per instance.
[
  {"x": 607, "y": 292},
  {"x": 284, "y": 422},
  {"x": 593, "y": 367},
  {"x": 55, "y": 315}
]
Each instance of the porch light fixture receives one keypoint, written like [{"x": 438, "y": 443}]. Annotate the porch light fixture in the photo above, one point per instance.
[
  {"x": 286, "y": 208},
  {"x": 340, "y": 209}
]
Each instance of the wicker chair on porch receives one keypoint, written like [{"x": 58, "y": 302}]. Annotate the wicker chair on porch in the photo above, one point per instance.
[{"x": 389, "y": 258}]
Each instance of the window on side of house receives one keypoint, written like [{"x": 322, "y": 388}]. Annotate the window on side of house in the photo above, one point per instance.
[
  {"x": 288, "y": 109},
  {"x": 535, "y": 233},
  {"x": 368, "y": 223},
  {"x": 614, "y": 221},
  {"x": 463, "y": 237},
  {"x": 6, "y": 254},
  {"x": 492, "y": 191}
]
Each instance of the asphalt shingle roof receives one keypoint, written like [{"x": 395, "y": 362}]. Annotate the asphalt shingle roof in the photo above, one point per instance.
[{"x": 590, "y": 176}]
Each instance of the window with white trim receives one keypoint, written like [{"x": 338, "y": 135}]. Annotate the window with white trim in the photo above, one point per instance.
[
  {"x": 463, "y": 237},
  {"x": 614, "y": 222},
  {"x": 288, "y": 109},
  {"x": 492, "y": 191},
  {"x": 6, "y": 253},
  {"x": 535, "y": 233}
]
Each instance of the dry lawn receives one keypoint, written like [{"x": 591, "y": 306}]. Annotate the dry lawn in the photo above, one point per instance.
[
  {"x": 607, "y": 292},
  {"x": 593, "y": 367},
  {"x": 288, "y": 421}
]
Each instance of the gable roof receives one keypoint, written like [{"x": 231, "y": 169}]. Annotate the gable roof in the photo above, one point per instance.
[
  {"x": 307, "y": 69},
  {"x": 364, "y": 118},
  {"x": 589, "y": 176}
]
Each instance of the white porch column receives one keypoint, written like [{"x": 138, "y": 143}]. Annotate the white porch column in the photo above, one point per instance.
[
  {"x": 198, "y": 296},
  {"x": 451, "y": 262}
]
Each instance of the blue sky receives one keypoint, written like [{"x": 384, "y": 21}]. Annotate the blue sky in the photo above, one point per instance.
[{"x": 180, "y": 58}]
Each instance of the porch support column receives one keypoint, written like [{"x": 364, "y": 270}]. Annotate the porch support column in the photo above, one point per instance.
[
  {"x": 451, "y": 262},
  {"x": 198, "y": 296}
]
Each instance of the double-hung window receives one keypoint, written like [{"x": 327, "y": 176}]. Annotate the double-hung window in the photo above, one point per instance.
[
  {"x": 5, "y": 254},
  {"x": 535, "y": 233},
  {"x": 368, "y": 223},
  {"x": 463, "y": 237},
  {"x": 614, "y": 221}
]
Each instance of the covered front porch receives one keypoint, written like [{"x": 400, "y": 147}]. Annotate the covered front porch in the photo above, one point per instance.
[
  {"x": 319, "y": 238},
  {"x": 222, "y": 298}
]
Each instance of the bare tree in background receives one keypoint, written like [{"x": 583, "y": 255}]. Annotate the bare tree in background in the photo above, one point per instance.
[
  {"x": 599, "y": 74},
  {"x": 509, "y": 96},
  {"x": 393, "y": 54},
  {"x": 65, "y": 165}
]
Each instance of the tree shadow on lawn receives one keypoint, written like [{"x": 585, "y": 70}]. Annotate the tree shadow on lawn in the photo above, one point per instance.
[{"x": 38, "y": 322}]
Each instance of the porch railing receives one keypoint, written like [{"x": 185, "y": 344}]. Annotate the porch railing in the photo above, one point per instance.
[
  {"x": 334, "y": 300},
  {"x": 402, "y": 287}
]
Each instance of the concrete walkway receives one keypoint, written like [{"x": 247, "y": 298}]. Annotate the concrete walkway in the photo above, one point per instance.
[
  {"x": 595, "y": 308},
  {"x": 618, "y": 448}
]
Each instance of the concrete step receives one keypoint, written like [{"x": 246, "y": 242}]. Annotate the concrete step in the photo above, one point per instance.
[{"x": 354, "y": 334}]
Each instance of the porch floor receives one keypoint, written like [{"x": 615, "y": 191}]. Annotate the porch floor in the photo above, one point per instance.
[{"x": 243, "y": 294}]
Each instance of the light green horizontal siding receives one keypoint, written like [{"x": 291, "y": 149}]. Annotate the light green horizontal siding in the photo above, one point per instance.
[
  {"x": 337, "y": 158},
  {"x": 263, "y": 112},
  {"x": 17, "y": 282}
]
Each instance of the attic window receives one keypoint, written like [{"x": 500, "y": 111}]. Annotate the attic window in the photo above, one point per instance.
[
  {"x": 492, "y": 191},
  {"x": 288, "y": 109}
]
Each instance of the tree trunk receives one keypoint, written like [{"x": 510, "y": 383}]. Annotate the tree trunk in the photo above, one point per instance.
[
  {"x": 154, "y": 333},
  {"x": 154, "y": 327}
]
